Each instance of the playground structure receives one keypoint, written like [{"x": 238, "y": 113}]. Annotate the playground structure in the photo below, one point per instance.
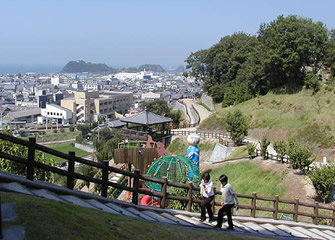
[{"x": 178, "y": 169}]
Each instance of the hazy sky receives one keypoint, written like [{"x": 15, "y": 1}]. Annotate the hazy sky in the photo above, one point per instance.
[{"x": 134, "y": 32}]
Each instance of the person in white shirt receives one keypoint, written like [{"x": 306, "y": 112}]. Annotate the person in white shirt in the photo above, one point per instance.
[
  {"x": 207, "y": 191},
  {"x": 229, "y": 198}
]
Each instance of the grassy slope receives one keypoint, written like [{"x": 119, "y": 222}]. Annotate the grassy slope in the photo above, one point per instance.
[
  {"x": 246, "y": 178},
  {"x": 303, "y": 115},
  {"x": 65, "y": 148},
  {"x": 45, "y": 219},
  {"x": 179, "y": 146}
]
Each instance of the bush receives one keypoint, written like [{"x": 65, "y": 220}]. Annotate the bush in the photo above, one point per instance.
[
  {"x": 62, "y": 130},
  {"x": 313, "y": 82},
  {"x": 237, "y": 125},
  {"x": 281, "y": 148},
  {"x": 300, "y": 155},
  {"x": 323, "y": 179},
  {"x": 251, "y": 148},
  {"x": 71, "y": 128},
  {"x": 264, "y": 143},
  {"x": 55, "y": 131}
]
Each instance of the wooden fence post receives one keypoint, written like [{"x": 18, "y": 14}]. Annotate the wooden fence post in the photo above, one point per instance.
[
  {"x": 0, "y": 218},
  {"x": 213, "y": 202},
  {"x": 189, "y": 197},
  {"x": 104, "y": 189},
  {"x": 164, "y": 192},
  {"x": 296, "y": 208},
  {"x": 70, "y": 170},
  {"x": 31, "y": 158},
  {"x": 136, "y": 186},
  {"x": 316, "y": 213},
  {"x": 253, "y": 205},
  {"x": 275, "y": 206}
]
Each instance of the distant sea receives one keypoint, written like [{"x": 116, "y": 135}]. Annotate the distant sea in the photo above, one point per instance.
[{"x": 18, "y": 68}]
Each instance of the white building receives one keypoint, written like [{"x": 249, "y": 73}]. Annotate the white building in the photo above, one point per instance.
[{"x": 55, "y": 114}]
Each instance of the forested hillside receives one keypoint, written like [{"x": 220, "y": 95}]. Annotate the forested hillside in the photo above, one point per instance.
[{"x": 289, "y": 51}]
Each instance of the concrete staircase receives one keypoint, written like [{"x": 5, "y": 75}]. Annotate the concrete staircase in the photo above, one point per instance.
[{"x": 245, "y": 226}]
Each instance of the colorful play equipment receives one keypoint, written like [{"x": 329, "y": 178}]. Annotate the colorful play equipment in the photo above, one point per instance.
[
  {"x": 193, "y": 151},
  {"x": 178, "y": 169}
]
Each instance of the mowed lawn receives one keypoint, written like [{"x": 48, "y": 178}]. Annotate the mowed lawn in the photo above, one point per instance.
[{"x": 65, "y": 148}]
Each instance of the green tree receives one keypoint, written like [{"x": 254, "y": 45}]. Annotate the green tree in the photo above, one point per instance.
[
  {"x": 237, "y": 125},
  {"x": 105, "y": 146},
  {"x": 330, "y": 54},
  {"x": 21, "y": 151},
  {"x": 300, "y": 155},
  {"x": 291, "y": 44},
  {"x": 264, "y": 144},
  {"x": 160, "y": 107},
  {"x": 323, "y": 179},
  {"x": 281, "y": 148}
]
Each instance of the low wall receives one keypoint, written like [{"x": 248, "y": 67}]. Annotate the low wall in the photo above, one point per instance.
[
  {"x": 207, "y": 100},
  {"x": 84, "y": 147}
]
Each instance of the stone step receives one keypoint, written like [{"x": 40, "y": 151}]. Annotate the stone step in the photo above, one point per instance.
[
  {"x": 330, "y": 233},
  {"x": 76, "y": 201},
  {"x": 47, "y": 194},
  {"x": 8, "y": 212},
  {"x": 121, "y": 210},
  {"x": 195, "y": 222},
  {"x": 177, "y": 220},
  {"x": 308, "y": 233},
  {"x": 241, "y": 226},
  {"x": 158, "y": 217},
  {"x": 15, "y": 187},
  {"x": 275, "y": 230},
  {"x": 13, "y": 233},
  {"x": 323, "y": 234},
  {"x": 291, "y": 231},
  {"x": 259, "y": 229},
  {"x": 140, "y": 215},
  {"x": 102, "y": 207}
]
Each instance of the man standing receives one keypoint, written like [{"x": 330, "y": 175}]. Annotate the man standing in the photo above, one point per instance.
[{"x": 229, "y": 198}]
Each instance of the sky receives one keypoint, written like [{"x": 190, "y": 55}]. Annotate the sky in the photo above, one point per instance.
[{"x": 125, "y": 33}]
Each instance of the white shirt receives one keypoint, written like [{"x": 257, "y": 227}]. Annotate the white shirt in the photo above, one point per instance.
[
  {"x": 209, "y": 189},
  {"x": 228, "y": 194}
]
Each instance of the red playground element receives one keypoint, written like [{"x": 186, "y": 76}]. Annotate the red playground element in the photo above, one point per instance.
[{"x": 148, "y": 201}]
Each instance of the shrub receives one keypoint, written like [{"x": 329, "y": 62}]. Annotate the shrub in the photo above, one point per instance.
[
  {"x": 312, "y": 81},
  {"x": 323, "y": 179},
  {"x": 300, "y": 155},
  {"x": 237, "y": 125},
  {"x": 251, "y": 148},
  {"x": 62, "y": 130},
  {"x": 55, "y": 131},
  {"x": 281, "y": 148},
  {"x": 264, "y": 143},
  {"x": 71, "y": 128}
]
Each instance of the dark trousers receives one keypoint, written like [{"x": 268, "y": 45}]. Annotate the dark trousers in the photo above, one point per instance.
[
  {"x": 225, "y": 209},
  {"x": 206, "y": 203}
]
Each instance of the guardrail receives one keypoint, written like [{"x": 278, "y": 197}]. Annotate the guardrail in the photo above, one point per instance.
[{"x": 164, "y": 195}]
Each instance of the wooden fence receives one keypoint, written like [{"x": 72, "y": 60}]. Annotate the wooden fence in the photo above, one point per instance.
[{"x": 135, "y": 189}]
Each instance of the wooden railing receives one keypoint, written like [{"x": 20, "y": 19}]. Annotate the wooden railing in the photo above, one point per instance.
[
  {"x": 135, "y": 189},
  {"x": 203, "y": 134}
]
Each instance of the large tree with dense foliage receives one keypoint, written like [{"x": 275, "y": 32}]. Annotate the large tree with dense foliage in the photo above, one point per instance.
[
  {"x": 330, "y": 56},
  {"x": 291, "y": 44},
  {"x": 241, "y": 66}
]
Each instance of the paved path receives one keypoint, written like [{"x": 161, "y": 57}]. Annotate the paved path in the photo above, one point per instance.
[{"x": 203, "y": 112}]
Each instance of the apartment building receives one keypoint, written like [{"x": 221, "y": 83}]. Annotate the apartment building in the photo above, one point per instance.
[{"x": 89, "y": 106}]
